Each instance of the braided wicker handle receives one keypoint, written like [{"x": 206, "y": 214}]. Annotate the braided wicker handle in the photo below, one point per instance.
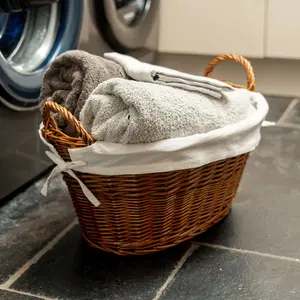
[
  {"x": 50, "y": 123},
  {"x": 239, "y": 59}
]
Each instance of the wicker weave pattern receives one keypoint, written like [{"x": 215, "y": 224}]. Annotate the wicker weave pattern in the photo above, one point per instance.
[{"x": 141, "y": 214}]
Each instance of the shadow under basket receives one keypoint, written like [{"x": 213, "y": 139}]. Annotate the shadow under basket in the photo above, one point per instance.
[{"x": 141, "y": 214}]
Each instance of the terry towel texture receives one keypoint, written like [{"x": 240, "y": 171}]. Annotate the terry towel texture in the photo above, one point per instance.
[
  {"x": 129, "y": 112},
  {"x": 140, "y": 71},
  {"x": 73, "y": 75}
]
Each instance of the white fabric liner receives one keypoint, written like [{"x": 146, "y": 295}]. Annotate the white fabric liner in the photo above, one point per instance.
[{"x": 168, "y": 155}]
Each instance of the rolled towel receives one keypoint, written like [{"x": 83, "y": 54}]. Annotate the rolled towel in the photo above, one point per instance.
[
  {"x": 141, "y": 71},
  {"x": 130, "y": 112},
  {"x": 73, "y": 75}
]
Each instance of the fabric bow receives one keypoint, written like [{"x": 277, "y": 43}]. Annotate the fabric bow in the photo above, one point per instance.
[{"x": 68, "y": 167}]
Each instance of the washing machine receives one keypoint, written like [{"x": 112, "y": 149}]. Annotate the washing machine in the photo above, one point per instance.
[{"x": 32, "y": 34}]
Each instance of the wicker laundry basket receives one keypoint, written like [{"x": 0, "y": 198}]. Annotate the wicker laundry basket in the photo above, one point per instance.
[{"x": 141, "y": 214}]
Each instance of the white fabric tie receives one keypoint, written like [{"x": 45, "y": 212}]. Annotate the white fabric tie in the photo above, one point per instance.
[
  {"x": 68, "y": 167},
  {"x": 268, "y": 124}
]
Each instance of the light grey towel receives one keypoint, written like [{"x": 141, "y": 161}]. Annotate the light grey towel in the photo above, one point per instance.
[
  {"x": 141, "y": 71},
  {"x": 73, "y": 75},
  {"x": 127, "y": 111}
]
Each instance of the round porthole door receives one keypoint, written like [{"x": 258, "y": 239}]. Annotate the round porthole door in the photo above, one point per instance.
[
  {"x": 126, "y": 24},
  {"x": 29, "y": 41}
]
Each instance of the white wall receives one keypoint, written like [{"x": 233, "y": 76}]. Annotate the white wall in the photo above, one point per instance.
[
  {"x": 283, "y": 29},
  {"x": 212, "y": 26}
]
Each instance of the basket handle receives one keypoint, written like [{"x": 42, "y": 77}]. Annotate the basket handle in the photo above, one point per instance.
[
  {"x": 49, "y": 121},
  {"x": 239, "y": 59}
]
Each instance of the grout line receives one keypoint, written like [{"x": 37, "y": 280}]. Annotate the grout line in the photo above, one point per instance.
[
  {"x": 25, "y": 293},
  {"x": 181, "y": 262},
  {"x": 289, "y": 125},
  {"x": 37, "y": 256},
  {"x": 291, "y": 106},
  {"x": 283, "y": 258}
]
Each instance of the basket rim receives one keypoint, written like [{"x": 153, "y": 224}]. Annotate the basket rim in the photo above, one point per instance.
[{"x": 170, "y": 155}]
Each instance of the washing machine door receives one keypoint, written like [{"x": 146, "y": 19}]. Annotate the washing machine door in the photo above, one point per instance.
[
  {"x": 126, "y": 24},
  {"x": 29, "y": 41}
]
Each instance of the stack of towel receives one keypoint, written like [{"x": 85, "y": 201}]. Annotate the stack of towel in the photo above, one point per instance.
[{"x": 156, "y": 103}]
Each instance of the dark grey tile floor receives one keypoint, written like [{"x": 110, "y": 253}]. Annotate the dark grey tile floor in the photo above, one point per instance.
[
  {"x": 29, "y": 221},
  {"x": 266, "y": 215},
  {"x": 221, "y": 274},
  {"x": 85, "y": 273},
  {"x": 277, "y": 106},
  {"x": 253, "y": 254},
  {"x": 10, "y": 295}
]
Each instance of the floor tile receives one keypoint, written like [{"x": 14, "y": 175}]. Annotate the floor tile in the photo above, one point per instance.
[
  {"x": 266, "y": 214},
  {"x": 277, "y": 106},
  {"x": 4, "y": 295},
  {"x": 73, "y": 270},
  {"x": 220, "y": 274},
  {"x": 292, "y": 117},
  {"x": 28, "y": 221}
]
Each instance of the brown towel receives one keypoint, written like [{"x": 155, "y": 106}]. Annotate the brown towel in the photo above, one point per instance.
[{"x": 73, "y": 75}]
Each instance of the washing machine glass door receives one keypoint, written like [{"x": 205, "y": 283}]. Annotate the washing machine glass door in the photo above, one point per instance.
[
  {"x": 131, "y": 12},
  {"x": 126, "y": 24},
  {"x": 29, "y": 41}
]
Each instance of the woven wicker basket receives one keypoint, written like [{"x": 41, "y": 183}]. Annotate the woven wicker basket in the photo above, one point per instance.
[{"x": 140, "y": 214}]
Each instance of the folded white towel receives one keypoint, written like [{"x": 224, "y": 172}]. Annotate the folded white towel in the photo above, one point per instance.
[
  {"x": 151, "y": 73},
  {"x": 132, "y": 112}
]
